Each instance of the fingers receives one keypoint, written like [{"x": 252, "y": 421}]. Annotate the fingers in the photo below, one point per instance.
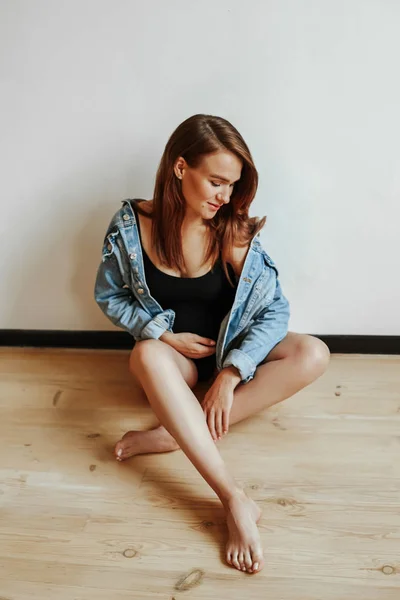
[
  {"x": 198, "y": 353},
  {"x": 208, "y": 352},
  {"x": 205, "y": 341},
  {"x": 211, "y": 424},
  {"x": 225, "y": 422},
  {"x": 203, "y": 351},
  {"x": 221, "y": 423},
  {"x": 218, "y": 424},
  {"x": 215, "y": 424}
]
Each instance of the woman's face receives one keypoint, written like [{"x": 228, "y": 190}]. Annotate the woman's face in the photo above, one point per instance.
[{"x": 208, "y": 186}]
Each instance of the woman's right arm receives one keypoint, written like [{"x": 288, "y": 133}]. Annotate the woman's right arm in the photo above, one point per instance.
[{"x": 119, "y": 304}]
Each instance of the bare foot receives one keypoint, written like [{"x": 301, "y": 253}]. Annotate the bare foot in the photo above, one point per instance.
[
  {"x": 243, "y": 550},
  {"x": 145, "y": 442}
]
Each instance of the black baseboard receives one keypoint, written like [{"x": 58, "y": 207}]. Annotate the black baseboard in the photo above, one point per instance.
[
  {"x": 46, "y": 338},
  {"x": 338, "y": 344}
]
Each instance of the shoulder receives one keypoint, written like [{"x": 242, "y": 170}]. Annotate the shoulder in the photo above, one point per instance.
[
  {"x": 146, "y": 206},
  {"x": 127, "y": 210},
  {"x": 248, "y": 233},
  {"x": 237, "y": 256}
]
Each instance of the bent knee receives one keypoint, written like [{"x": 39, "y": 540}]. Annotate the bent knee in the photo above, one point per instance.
[
  {"x": 145, "y": 353},
  {"x": 314, "y": 355}
]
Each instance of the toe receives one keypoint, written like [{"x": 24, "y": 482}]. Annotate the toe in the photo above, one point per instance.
[
  {"x": 248, "y": 561},
  {"x": 258, "y": 561},
  {"x": 119, "y": 450},
  {"x": 235, "y": 561},
  {"x": 229, "y": 557},
  {"x": 241, "y": 561}
]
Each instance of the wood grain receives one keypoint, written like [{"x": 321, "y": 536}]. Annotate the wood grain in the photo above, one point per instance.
[{"x": 75, "y": 524}]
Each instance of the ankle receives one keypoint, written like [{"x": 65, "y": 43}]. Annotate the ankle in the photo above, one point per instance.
[
  {"x": 165, "y": 439},
  {"x": 232, "y": 496}
]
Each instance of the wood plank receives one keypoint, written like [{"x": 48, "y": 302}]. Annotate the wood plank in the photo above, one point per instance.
[{"x": 323, "y": 466}]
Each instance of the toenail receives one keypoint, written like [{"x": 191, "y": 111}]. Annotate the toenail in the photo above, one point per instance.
[{"x": 255, "y": 567}]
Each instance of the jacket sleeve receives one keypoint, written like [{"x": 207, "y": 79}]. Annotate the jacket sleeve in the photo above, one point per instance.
[
  {"x": 118, "y": 303},
  {"x": 267, "y": 329}
]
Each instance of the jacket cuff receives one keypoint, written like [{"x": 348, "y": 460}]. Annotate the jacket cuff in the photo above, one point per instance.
[
  {"x": 153, "y": 330},
  {"x": 243, "y": 363}
]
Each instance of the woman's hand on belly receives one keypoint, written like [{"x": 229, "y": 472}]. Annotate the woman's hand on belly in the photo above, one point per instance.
[{"x": 190, "y": 345}]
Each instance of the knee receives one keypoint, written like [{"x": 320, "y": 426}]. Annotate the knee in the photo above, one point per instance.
[
  {"x": 313, "y": 355},
  {"x": 145, "y": 354}
]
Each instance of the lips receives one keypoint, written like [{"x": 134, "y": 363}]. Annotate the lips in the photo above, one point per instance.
[{"x": 215, "y": 206}]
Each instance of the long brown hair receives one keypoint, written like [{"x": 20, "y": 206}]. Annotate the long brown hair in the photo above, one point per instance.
[{"x": 197, "y": 136}]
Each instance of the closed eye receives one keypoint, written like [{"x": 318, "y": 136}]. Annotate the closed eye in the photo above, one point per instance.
[{"x": 214, "y": 184}]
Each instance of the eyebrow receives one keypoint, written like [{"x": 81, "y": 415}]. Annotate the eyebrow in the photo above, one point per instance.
[{"x": 214, "y": 176}]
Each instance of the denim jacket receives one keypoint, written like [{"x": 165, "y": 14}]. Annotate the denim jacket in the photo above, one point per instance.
[{"x": 257, "y": 321}]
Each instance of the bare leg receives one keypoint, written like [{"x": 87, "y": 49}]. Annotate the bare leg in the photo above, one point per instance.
[
  {"x": 155, "y": 366},
  {"x": 158, "y": 439},
  {"x": 293, "y": 364}
]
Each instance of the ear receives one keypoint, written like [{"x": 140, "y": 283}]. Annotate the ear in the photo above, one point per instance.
[{"x": 180, "y": 167}]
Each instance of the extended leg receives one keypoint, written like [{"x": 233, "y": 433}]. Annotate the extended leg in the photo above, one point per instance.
[{"x": 177, "y": 408}]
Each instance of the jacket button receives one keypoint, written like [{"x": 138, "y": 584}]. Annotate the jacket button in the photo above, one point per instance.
[
  {"x": 140, "y": 291},
  {"x": 132, "y": 256},
  {"x": 109, "y": 247},
  {"x": 126, "y": 217}
]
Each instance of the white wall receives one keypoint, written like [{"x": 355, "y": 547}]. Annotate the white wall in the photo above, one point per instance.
[{"x": 91, "y": 90}]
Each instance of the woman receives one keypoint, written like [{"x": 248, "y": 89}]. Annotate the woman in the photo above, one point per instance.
[{"x": 186, "y": 275}]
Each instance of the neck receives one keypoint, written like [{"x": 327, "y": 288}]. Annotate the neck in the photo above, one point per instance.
[{"x": 192, "y": 219}]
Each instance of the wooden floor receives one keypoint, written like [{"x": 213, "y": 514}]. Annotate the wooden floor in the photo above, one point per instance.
[{"x": 75, "y": 524}]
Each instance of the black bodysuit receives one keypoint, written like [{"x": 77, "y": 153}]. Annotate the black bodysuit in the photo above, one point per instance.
[{"x": 199, "y": 303}]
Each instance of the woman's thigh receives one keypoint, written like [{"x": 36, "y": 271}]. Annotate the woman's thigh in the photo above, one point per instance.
[
  {"x": 156, "y": 351},
  {"x": 286, "y": 347},
  {"x": 301, "y": 346}
]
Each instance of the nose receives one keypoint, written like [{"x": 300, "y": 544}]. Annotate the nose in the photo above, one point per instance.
[{"x": 223, "y": 197}]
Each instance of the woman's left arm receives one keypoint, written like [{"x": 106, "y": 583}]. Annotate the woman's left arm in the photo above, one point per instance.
[
  {"x": 264, "y": 333},
  {"x": 267, "y": 329}
]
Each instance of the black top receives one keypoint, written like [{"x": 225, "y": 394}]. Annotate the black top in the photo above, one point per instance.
[{"x": 199, "y": 303}]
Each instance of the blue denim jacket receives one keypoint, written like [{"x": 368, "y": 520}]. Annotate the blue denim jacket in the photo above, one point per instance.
[{"x": 257, "y": 321}]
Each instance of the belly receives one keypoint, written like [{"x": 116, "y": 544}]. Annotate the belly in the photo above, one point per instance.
[{"x": 197, "y": 318}]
